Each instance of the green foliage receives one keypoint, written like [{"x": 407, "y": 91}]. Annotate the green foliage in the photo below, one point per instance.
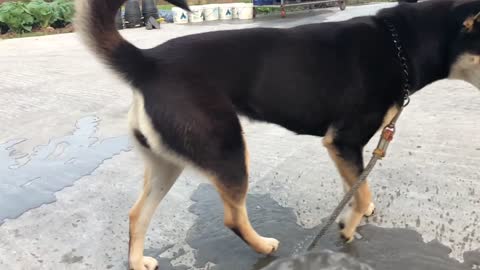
[
  {"x": 43, "y": 12},
  {"x": 65, "y": 10},
  {"x": 266, "y": 10},
  {"x": 21, "y": 17},
  {"x": 16, "y": 16},
  {"x": 165, "y": 7}
]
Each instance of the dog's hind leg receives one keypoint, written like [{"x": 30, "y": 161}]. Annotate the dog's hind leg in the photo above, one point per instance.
[
  {"x": 160, "y": 174},
  {"x": 231, "y": 181},
  {"x": 205, "y": 133},
  {"x": 236, "y": 219}
]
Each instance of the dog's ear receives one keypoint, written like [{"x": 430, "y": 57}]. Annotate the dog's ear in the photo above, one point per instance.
[{"x": 472, "y": 23}]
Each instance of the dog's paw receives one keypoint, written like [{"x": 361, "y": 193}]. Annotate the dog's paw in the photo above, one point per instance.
[
  {"x": 371, "y": 210},
  {"x": 147, "y": 263},
  {"x": 267, "y": 246},
  {"x": 347, "y": 237},
  {"x": 344, "y": 216}
]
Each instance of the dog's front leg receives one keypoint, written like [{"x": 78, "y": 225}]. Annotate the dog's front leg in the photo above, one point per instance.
[{"x": 349, "y": 162}]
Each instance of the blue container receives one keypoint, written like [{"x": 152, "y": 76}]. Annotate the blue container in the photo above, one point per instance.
[
  {"x": 166, "y": 14},
  {"x": 262, "y": 2}
]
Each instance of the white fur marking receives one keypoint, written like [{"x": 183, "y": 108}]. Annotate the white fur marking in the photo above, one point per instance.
[
  {"x": 139, "y": 119},
  {"x": 467, "y": 68}
]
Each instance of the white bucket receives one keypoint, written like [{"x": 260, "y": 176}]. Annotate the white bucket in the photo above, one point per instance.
[
  {"x": 245, "y": 12},
  {"x": 180, "y": 16},
  {"x": 196, "y": 15},
  {"x": 235, "y": 9},
  {"x": 226, "y": 11},
  {"x": 211, "y": 12}
]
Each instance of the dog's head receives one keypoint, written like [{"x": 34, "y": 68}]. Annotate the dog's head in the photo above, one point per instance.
[{"x": 465, "y": 53}]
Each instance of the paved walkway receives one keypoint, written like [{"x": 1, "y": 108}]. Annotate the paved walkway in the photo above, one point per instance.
[{"x": 63, "y": 142}]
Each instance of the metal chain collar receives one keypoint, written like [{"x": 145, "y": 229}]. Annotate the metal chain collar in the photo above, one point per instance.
[
  {"x": 403, "y": 61},
  {"x": 385, "y": 139}
]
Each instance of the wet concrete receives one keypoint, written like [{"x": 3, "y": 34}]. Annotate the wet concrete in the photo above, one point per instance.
[
  {"x": 319, "y": 260},
  {"x": 381, "y": 248},
  {"x": 399, "y": 249},
  {"x": 165, "y": 263},
  {"x": 215, "y": 243},
  {"x": 428, "y": 183},
  {"x": 29, "y": 180}
]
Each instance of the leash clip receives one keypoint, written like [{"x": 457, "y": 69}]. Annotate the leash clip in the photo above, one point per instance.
[{"x": 387, "y": 136}]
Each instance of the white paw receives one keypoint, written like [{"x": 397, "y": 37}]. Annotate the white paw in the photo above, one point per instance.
[
  {"x": 344, "y": 216},
  {"x": 371, "y": 210},
  {"x": 347, "y": 236},
  {"x": 147, "y": 263},
  {"x": 268, "y": 246}
]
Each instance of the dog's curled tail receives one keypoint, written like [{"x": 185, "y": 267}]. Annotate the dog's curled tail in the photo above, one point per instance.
[{"x": 95, "y": 22}]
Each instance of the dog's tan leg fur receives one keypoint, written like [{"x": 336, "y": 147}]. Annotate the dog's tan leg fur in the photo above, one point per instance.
[
  {"x": 362, "y": 203},
  {"x": 236, "y": 217},
  {"x": 391, "y": 113},
  {"x": 159, "y": 178}
]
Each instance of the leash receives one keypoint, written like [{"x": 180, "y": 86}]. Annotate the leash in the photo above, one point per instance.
[{"x": 385, "y": 138}]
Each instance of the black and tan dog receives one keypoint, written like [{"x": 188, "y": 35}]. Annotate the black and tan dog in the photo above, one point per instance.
[{"x": 341, "y": 81}]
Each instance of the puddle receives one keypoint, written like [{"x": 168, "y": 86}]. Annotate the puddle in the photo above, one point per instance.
[
  {"x": 400, "y": 249},
  {"x": 218, "y": 248},
  {"x": 381, "y": 248},
  {"x": 314, "y": 260},
  {"x": 30, "y": 180},
  {"x": 218, "y": 245}
]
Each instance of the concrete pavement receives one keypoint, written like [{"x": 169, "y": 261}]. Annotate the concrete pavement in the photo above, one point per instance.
[{"x": 63, "y": 142}]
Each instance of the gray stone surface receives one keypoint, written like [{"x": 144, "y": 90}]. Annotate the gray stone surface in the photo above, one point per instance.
[{"x": 429, "y": 182}]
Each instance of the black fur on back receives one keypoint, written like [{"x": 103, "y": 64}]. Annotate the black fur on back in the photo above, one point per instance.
[{"x": 341, "y": 75}]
